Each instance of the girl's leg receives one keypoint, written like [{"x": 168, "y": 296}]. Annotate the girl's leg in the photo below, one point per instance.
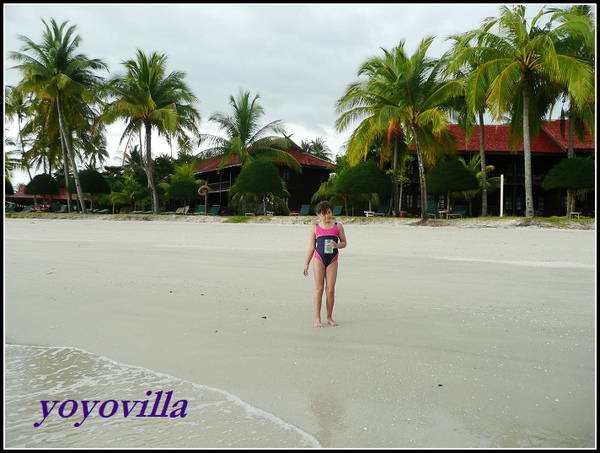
[
  {"x": 319, "y": 271},
  {"x": 330, "y": 277}
]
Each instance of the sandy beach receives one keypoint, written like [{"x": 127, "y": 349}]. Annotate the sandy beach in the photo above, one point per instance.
[{"x": 449, "y": 337}]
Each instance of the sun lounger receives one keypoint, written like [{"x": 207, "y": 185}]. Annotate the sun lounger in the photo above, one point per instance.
[
  {"x": 337, "y": 210},
  {"x": 383, "y": 209},
  {"x": 200, "y": 210},
  {"x": 304, "y": 210},
  {"x": 214, "y": 210},
  {"x": 27, "y": 208},
  {"x": 458, "y": 211}
]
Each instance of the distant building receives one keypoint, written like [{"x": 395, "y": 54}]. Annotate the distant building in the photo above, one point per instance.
[
  {"x": 547, "y": 149},
  {"x": 300, "y": 186}
]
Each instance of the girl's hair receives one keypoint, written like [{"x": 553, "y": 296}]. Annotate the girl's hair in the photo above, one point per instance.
[{"x": 322, "y": 207}]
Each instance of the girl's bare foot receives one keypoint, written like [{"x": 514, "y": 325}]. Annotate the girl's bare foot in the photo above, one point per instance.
[
  {"x": 332, "y": 322},
  {"x": 318, "y": 323}
]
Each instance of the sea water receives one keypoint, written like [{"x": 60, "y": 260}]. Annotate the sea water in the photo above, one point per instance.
[{"x": 213, "y": 418}]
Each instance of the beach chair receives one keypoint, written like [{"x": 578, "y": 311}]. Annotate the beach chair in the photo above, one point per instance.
[
  {"x": 214, "y": 210},
  {"x": 383, "y": 209},
  {"x": 304, "y": 210},
  {"x": 183, "y": 210},
  {"x": 10, "y": 207},
  {"x": 432, "y": 210},
  {"x": 63, "y": 208},
  {"x": 178, "y": 211},
  {"x": 458, "y": 211},
  {"x": 337, "y": 210},
  {"x": 27, "y": 208},
  {"x": 200, "y": 210}
]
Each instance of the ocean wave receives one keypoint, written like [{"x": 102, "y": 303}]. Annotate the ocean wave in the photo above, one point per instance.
[{"x": 213, "y": 417}]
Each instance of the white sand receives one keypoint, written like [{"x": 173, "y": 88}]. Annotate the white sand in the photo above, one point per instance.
[{"x": 448, "y": 337}]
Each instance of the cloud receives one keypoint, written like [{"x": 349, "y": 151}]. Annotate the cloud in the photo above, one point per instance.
[{"x": 299, "y": 57}]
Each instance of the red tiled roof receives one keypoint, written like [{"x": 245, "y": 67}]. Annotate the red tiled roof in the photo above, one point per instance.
[
  {"x": 304, "y": 159},
  {"x": 553, "y": 129},
  {"x": 497, "y": 139},
  {"x": 20, "y": 195}
]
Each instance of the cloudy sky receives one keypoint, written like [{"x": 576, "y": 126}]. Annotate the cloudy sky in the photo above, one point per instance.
[{"x": 299, "y": 57}]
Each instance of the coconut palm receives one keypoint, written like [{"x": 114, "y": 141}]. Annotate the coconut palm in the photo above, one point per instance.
[
  {"x": 317, "y": 148},
  {"x": 148, "y": 99},
  {"x": 581, "y": 46},
  {"x": 53, "y": 70},
  {"x": 518, "y": 58},
  {"x": 400, "y": 99},
  {"x": 245, "y": 138},
  {"x": 470, "y": 109}
]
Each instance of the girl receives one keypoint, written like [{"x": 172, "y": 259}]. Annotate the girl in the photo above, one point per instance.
[{"x": 326, "y": 237}]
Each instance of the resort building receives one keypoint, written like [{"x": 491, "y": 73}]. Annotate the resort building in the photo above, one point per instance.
[
  {"x": 301, "y": 186},
  {"x": 547, "y": 149}
]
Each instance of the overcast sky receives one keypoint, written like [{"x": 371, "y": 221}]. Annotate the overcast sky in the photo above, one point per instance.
[{"x": 299, "y": 57}]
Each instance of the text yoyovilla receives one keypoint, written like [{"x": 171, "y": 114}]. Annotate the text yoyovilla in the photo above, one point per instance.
[{"x": 110, "y": 408}]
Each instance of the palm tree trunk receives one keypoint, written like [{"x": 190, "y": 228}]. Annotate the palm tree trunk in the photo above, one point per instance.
[
  {"x": 396, "y": 204},
  {"x": 67, "y": 145},
  {"x": 148, "y": 166},
  {"x": 66, "y": 168},
  {"x": 424, "y": 215},
  {"x": 484, "y": 201},
  {"x": 527, "y": 151},
  {"x": 570, "y": 154}
]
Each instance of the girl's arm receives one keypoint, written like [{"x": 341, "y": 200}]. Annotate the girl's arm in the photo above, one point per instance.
[
  {"x": 342, "y": 235},
  {"x": 311, "y": 248}
]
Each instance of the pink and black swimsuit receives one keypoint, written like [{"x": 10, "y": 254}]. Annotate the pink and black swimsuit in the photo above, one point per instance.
[{"x": 322, "y": 235}]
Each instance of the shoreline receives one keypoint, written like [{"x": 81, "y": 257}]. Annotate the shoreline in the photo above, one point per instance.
[
  {"x": 448, "y": 337},
  {"x": 467, "y": 222}
]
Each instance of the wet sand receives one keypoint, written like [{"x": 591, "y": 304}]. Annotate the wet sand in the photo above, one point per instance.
[{"x": 448, "y": 337}]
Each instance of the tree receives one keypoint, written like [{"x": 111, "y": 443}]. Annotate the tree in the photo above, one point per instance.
[
  {"x": 582, "y": 46},
  {"x": 317, "y": 147},
  {"x": 53, "y": 70},
  {"x": 92, "y": 182},
  {"x": 362, "y": 179},
  {"x": 148, "y": 99},
  {"x": 475, "y": 167},
  {"x": 575, "y": 173},
  {"x": 42, "y": 184},
  {"x": 451, "y": 176},
  {"x": 400, "y": 99},
  {"x": 260, "y": 178},
  {"x": 246, "y": 139},
  {"x": 520, "y": 58},
  {"x": 182, "y": 183}
]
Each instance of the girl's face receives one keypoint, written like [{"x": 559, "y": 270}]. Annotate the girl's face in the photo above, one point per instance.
[{"x": 326, "y": 216}]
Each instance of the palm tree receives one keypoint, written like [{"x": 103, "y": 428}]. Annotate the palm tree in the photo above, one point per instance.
[
  {"x": 470, "y": 109},
  {"x": 317, "y": 148},
  {"x": 400, "y": 99},
  {"x": 245, "y": 138},
  {"x": 147, "y": 98},
  {"x": 581, "y": 46},
  {"x": 519, "y": 58},
  {"x": 53, "y": 70}
]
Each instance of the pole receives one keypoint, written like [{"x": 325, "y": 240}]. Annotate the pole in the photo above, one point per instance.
[{"x": 501, "y": 195}]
